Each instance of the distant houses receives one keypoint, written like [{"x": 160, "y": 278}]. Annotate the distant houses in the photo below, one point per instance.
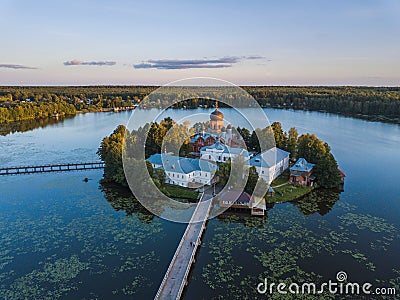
[{"x": 302, "y": 173}]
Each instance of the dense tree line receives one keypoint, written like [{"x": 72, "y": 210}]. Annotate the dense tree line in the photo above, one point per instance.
[
  {"x": 112, "y": 147},
  {"x": 352, "y": 101},
  {"x": 375, "y": 103},
  {"x": 28, "y": 111},
  {"x": 27, "y": 103}
]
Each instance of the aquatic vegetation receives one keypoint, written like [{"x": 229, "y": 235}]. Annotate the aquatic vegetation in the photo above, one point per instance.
[
  {"x": 282, "y": 248},
  {"x": 369, "y": 222},
  {"x": 116, "y": 241},
  {"x": 70, "y": 239},
  {"x": 56, "y": 275}
]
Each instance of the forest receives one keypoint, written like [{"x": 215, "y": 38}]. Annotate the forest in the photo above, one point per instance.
[{"x": 372, "y": 103}]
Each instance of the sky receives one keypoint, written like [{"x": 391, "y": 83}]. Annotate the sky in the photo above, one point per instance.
[{"x": 122, "y": 42}]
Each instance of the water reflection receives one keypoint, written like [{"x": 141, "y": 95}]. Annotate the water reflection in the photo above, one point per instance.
[
  {"x": 241, "y": 217},
  {"x": 121, "y": 198},
  {"x": 23, "y": 126},
  {"x": 318, "y": 201}
]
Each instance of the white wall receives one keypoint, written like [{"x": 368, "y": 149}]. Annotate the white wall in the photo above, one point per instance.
[
  {"x": 217, "y": 156},
  {"x": 272, "y": 173},
  {"x": 184, "y": 179}
]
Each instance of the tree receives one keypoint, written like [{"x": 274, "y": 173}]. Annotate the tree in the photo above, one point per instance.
[
  {"x": 318, "y": 153},
  {"x": 292, "y": 142},
  {"x": 279, "y": 135},
  {"x": 110, "y": 151},
  {"x": 254, "y": 144},
  {"x": 251, "y": 180},
  {"x": 245, "y": 133},
  {"x": 160, "y": 175},
  {"x": 224, "y": 171}
]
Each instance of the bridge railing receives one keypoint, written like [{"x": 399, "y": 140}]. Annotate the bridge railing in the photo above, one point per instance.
[
  {"x": 194, "y": 250},
  {"x": 182, "y": 241},
  {"x": 51, "y": 168}
]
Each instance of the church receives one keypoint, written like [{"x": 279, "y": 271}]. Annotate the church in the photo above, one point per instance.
[{"x": 217, "y": 132}]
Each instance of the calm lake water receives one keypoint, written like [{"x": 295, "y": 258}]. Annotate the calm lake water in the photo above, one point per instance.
[{"x": 62, "y": 238}]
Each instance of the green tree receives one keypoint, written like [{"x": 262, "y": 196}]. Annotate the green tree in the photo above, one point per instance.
[
  {"x": 251, "y": 180},
  {"x": 224, "y": 171},
  {"x": 246, "y": 135},
  {"x": 110, "y": 151},
  {"x": 279, "y": 135},
  {"x": 315, "y": 151},
  {"x": 292, "y": 142}
]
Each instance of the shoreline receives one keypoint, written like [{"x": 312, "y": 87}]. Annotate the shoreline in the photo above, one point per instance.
[{"x": 370, "y": 118}]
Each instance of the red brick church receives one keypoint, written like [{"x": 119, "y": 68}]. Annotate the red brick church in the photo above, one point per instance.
[{"x": 216, "y": 131}]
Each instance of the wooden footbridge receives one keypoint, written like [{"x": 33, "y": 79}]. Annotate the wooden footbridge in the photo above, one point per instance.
[
  {"x": 176, "y": 277},
  {"x": 51, "y": 168}
]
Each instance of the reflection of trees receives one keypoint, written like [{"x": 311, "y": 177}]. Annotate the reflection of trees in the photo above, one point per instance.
[
  {"x": 23, "y": 126},
  {"x": 243, "y": 218},
  {"x": 121, "y": 198},
  {"x": 318, "y": 201}
]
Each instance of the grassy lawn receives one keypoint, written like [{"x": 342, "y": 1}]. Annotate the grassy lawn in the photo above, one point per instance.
[
  {"x": 289, "y": 192},
  {"x": 175, "y": 191},
  {"x": 283, "y": 178}
]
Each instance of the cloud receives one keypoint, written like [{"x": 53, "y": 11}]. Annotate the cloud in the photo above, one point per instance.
[
  {"x": 77, "y": 62},
  {"x": 174, "y": 64},
  {"x": 13, "y": 66},
  {"x": 254, "y": 57}
]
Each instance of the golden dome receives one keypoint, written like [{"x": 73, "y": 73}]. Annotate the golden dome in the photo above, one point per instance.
[{"x": 216, "y": 115}]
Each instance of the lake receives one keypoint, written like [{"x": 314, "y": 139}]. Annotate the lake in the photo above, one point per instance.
[{"x": 63, "y": 238}]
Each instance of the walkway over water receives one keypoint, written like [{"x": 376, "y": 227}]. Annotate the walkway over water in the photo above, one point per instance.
[
  {"x": 51, "y": 168},
  {"x": 175, "y": 278}
]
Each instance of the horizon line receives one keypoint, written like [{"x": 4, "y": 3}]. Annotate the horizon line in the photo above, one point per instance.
[{"x": 161, "y": 85}]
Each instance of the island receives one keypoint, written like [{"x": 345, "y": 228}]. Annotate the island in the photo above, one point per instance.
[{"x": 291, "y": 168}]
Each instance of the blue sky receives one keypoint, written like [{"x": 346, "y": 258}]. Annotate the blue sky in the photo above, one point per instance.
[{"x": 304, "y": 42}]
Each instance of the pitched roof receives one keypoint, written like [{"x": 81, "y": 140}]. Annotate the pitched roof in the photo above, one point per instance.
[
  {"x": 237, "y": 195},
  {"x": 302, "y": 165},
  {"x": 183, "y": 165},
  {"x": 268, "y": 158},
  {"x": 218, "y": 146}
]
